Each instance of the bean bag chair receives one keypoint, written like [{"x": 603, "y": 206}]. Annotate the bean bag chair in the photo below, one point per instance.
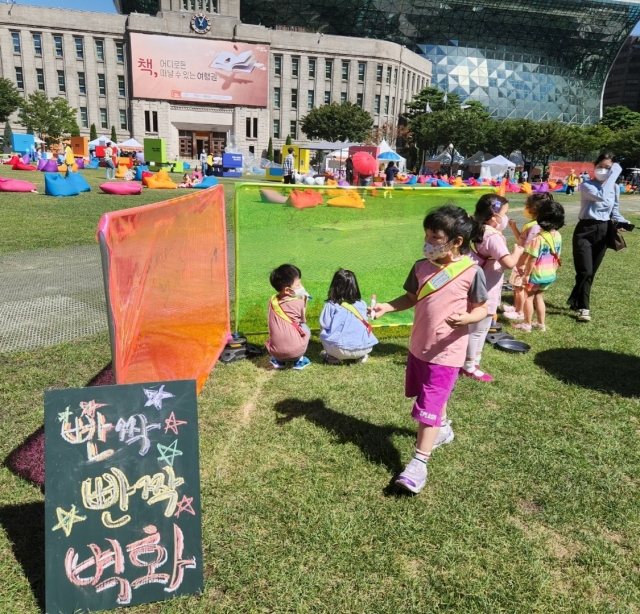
[
  {"x": 95, "y": 163},
  {"x": 42, "y": 162},
  {"x": 79, "y": 181},
  {"x": 57, "y": 185},
  {"x": 331, "y": 182},
  {"x": 146, "y": 175},
  {"x": 50, "y": 166},
  {"x": 63, "y": 168},
  {"x": 16, "y": 185},
  {"x": 128, "y": 162},
  {"x": 442, "y": 184},
  {"x": 422, "y": 179},
  {"x": 138, "y": 172},
  {"x": 526, "y": 188},
  {"x": 413, "y": 181},
  {"x": 14, "y": 160},
  {"x": 26, "y": 159},
  {"x": 434, "y": 184},
  {"x": 196, "y": 175},
  {"x": 344, "y": 184},
  {"x": 318, "y": 181},
  {"x": 271, "y": 196},
  {"x": 122, "y": 171},
  {"x": 304, "y": 200},
  {"x": 80, "y": 163},
  {"x": 207, "y": 182},
  {"x": 21, "y": 166},
  {"x": 122, "y": 188},
  {"x": 349, "y": 200},
  {"x": 473, "y": 183},
  {"x": 186, "y": 166},
  {"x": 161, "y": 181}
]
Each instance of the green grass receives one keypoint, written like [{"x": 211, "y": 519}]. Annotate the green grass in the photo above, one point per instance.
[{"x": 532, "y": 509}]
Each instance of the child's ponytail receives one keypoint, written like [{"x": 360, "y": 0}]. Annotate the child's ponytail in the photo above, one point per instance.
[{"x": 486, "y": 207}]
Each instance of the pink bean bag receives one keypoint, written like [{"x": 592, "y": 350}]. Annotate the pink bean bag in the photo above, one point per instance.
[
  {"x": 16, "y": 185},
  {"x": 21, "y": 166},
  {"x": 122, "y": 188}
]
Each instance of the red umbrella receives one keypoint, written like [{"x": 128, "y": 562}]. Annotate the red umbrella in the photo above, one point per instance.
[{"x": 364, "y": 163}]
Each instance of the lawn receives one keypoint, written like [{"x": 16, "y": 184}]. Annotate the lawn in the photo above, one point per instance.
[{"x": 532, "y": 508}]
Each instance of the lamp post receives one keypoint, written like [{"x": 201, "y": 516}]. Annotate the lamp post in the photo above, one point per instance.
[{"x": 451, "y": 150}]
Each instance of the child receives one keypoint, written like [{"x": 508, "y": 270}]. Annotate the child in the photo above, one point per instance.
[
  {"x": 345, "y": 332},
  {"x": 541, "y": 265},
  {"x": 186, "y": 181},
  {"x": 288, "y": 333},
  {"x": 489, "y": 249},
  {"x": 448, "y": 292},
  {"x": 529, "y": 230}
]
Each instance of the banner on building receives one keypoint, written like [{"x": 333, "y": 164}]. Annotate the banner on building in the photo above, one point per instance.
[{"x": 205, "y": 71}]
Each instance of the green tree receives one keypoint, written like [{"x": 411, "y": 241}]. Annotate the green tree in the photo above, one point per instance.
[
  {"x": 288, "y": 140},
  {"x": 93, "y": 133},
  {"x": 626, "y": 144},
  {"x": 338, "y": 122},
  {"x": 50, "y": 119},
  {"x": 6, "y": 138},
  {"x": 114, "y": 136},
  {"x": 434, "y": 98},
  {"x": 75, "y": 130},
  {"x": 619, "y": 118},
  {"x": 10, "y": 99},
  {"x": 585, "y": 143},
  {"x": 270, "y": 150}
]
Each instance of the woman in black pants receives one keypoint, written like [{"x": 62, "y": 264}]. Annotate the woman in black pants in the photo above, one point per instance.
[{"x": 599, "y": 203}]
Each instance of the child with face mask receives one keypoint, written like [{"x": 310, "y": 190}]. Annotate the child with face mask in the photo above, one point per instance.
[
  {"x": 489, "y": 249},
  {"x": 288, "y": 333},
  {"x": 449, "y": 294}
]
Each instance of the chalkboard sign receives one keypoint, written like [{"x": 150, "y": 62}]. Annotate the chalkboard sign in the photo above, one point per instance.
[{"x": 122, "y": 496}]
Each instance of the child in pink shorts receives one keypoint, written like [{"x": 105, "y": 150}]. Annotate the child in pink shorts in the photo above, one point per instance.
[{"x": 448, "y": 291}]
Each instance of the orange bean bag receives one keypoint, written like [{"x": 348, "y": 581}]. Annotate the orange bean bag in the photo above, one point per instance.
[
  {"x": 526, "y": 188},
  {"x": 122, "y": 171},
  {"x": 304, "y": 200},
  {"x": 128, "y": 162},
  {"x": 332, "y": 182},
  {"x": 160, "y": 181},
  {"x": 350, "y": 200},
  {"x": 63, "y": 168}
]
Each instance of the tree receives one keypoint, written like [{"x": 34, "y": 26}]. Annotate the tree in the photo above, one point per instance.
[
  {"x": 434, "y": 98},
  {"x": 270, "y": 150},
  {"x": 619, "y": 118},
  {"x": 93, "y": 133},
  {"x": 626, "y": 143},
  {"x": 50, "y": 119},
  {"x": 6, "y": 138},
  {"x": 10, "y": 99},
  {"x": 75, "y": 130},
  {"x": 114, "y": 136},
  {"x": 288, "y": 141},
  {"x": 338, "y": 122}
]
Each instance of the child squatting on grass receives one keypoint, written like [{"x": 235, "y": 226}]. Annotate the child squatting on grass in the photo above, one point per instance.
[
  {"x": 344, "y": 330},
  {"x": 541, "y": 264},
  {"x": 489, "y": 250},
  {"x": 448, "y": 291},
  {"x": 288, "y": 334}
]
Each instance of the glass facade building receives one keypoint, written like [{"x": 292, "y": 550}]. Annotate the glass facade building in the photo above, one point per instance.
[{"x": 539, "y": 59}]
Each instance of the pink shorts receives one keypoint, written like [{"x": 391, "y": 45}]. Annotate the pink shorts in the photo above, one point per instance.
[{"x": 431, "y": 385}]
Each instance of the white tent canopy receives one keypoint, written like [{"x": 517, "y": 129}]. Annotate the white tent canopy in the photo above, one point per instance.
[
  {"x": 383, "y": 146},
  {"x": 101, "y": 140},
  {"x": 496, "y": 167},
  {"x": 131, "y": 143}
]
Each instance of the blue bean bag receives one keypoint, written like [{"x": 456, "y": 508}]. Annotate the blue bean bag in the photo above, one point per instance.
[
  {"x": 207, "y": 182},
  {"x": 186, "y": 166},
  {"x": 57, "y": 185},
  {"x": 79, "y": 181},
  {"x": 139, "y": 169},
  {"x": 412, "y": 181},
  {"x": 95, "y": 163},
  {"x": 443, "y": 184}
]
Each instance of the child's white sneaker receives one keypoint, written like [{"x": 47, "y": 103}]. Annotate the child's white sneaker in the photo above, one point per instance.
[
  {"x": 444, "y": 436},
  {"x": 414, "y": 476}
]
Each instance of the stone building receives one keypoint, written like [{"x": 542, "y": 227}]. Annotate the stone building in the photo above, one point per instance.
[{"x": 90, "y": 58}]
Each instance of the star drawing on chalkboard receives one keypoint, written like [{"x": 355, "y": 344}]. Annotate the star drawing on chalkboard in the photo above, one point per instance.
[
  {"x": 185, "y": 506},
  {"x": 67, "y": 519},
  {"x": 169, "y": 453},
  {"x": 172, "y": 423},
  {"x": 155, "y": 397}
]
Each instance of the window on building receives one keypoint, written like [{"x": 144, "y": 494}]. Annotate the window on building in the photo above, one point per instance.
[
  {"x": 100, "y": 51},
  {"x": 79, "y": 48},
  {"x": 393, "y": 105},
  {"x": 388, "y": 74},
  {"x": 376, "y": 104},
  {"x": 311, "y": 99},
  {"x": 122, "y": 90},
  {"x": 255, "y": 127},
  {"x": 343, "y": 97},
  {"x": 120, "y": 53},
  {"x": 361, "y": 69},
  {"x": 147, "y": 121},
  {"x": 276, "y": 128},
  {"x": 84, "y": 117},
  {"x": 19, "y": 78},
  {"x": 295, "y": 66},
  {"x": 123, "y": 119},
  {"x": 403, "y": 74},
  {"x": 360, "y": 99},
  {"x": 327, "y": 97},
  {"x": 386, "y": 105},
  {"x": 379, "y": 73},
  {"x": 247, "y": 127},
  {"x": 294, "y": 98},
  {"x": 37, "y": 44},
  {"x": 210, "y": 6},
  {"x": 345, "y": 71},
  {"x": 276, "y": 97},
  {"x": 102, "y": 85},
  {"x": 82, "y": 86},
  {"x": 57, "y": 42},
  {"x": 395, "y": 76},
  {"x": 251, "y": 126},
  {"x": 104, "y": 120},
  {"x": 40, "y": 78},
  {"x": 62, "y": 86},
  {"x": 15, "y": 39},
  {"x": 328, "y": 69},
  {"x": 413, "y": 82},
  {"x": 154, "y": 121},
  {"x": 293, "y": 129},
  {"x": 277, "y": 65},
  {"x": 312, "y": 69}
]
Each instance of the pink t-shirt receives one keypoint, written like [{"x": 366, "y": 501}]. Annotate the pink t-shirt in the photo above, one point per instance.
[
  {"x": 432, "y": 339},
  {"x": 285, "y": 342},
  {"x": 489, "y": 252}
]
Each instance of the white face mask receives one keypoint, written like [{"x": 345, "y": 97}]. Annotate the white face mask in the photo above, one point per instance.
[
  {"x": 602, "y": 173},
  {"x": 300, "y": 291},
  {"x": 435, "y": 252},
  {"x": 504, "y": 222}
]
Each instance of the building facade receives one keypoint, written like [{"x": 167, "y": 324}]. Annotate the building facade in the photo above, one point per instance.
[
  {"x": 623, "y": 84},
  {"x": 96, "y": 61}
]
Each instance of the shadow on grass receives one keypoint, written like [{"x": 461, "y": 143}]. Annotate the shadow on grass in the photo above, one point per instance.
[
  {"x": 24, "y": 526},
  {"x": 595, "y": 369},
  {"x": 374, "y": 440}
]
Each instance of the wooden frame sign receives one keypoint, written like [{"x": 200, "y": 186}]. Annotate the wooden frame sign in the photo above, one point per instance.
[{"x": 122, "y": 496}]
